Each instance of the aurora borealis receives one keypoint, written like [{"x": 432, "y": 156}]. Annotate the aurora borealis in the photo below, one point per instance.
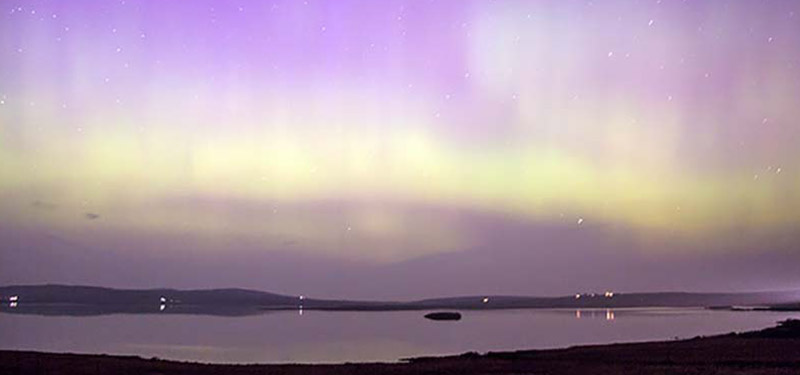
[{"x": 382, "y": 133}]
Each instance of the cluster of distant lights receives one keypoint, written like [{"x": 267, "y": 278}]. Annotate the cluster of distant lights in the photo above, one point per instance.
[
  {"x": 607, "y": 294},
  {"x": 163, "y": 300},
  {"x": 14, "y": 301},
  {"x": 163, "y": 303},
  {"x": 302, "y": 297}
]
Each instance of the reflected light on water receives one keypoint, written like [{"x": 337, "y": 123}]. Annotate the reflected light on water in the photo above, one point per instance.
[
  {"x": 327, "y": 336},
  {"x": 608, "y": 314}
]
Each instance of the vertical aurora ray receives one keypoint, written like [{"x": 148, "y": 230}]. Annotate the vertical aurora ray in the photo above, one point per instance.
[{"x": 331, "y": 125}]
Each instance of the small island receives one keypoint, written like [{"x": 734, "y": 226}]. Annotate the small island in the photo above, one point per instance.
[{"x": 443, "y": 315}]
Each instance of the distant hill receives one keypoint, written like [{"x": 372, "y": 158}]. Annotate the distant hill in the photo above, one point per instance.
[
  {"x": 83, "y": 300},
  {"x": 91, "y": 295}
]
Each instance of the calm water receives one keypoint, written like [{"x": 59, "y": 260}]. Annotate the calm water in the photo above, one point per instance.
[{"x": 317, "y": 336}]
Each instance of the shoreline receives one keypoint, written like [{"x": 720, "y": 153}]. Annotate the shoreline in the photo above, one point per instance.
[
  {"x": 774, "y": 350},
  {"x": 55, "y": 299}
]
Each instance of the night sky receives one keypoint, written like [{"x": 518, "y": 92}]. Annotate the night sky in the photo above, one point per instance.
[{"x": 399, "y": 149}]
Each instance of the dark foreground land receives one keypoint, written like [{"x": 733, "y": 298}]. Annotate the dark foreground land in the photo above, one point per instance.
[{"x": 771, "y": 351}]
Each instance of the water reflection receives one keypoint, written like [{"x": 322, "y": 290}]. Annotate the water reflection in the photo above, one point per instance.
[
  {"x": 609, "y": 314},
  {"x": 320, "y": 336}
]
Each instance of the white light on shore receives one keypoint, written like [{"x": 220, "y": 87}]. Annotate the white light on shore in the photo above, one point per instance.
[
  {"x": 485, "y": 299},
  {"x": 577, "y": 296},
  {"x": 13, "y": 298}
]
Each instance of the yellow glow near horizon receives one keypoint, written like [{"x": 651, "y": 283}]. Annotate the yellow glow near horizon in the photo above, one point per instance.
[
  {"x": 560, "y": 113},
  {"x": 410, "y": 165}
]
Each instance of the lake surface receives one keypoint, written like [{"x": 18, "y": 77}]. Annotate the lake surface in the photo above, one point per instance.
[{"x": 320, "y": 336}]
